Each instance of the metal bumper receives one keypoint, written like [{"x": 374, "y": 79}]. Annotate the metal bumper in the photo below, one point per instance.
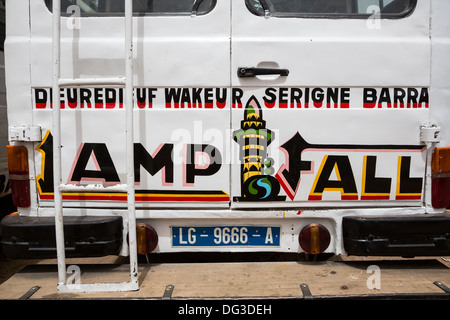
[
  {"x": 26, "y": 237},
  {"x": 406, "y": 236}
]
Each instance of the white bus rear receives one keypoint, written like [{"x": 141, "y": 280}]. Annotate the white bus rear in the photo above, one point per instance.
[{"x": 279, "y": 126}]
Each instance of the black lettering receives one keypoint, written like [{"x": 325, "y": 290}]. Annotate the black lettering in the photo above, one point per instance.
[
  {"x": 306, "y": 97},
  {"x": 296, "y": 95},
  {"x": 61, "y": 95},
  {"x": 141, "y": 97},
  {"x": 407, "y": 184},
  {"x": 385, "y": 97},
  {"x": 98, "y": 98},
  {"x": 399, "y": 96},
  {"x": 45, "y": 179},
  {"x": 369, "y": 98},
  {"x": 317, "y": 96},
  {"x": 291, "y": 174},
  {"x": 270, "y": 98},
  {"x": 161, "y": 160},
  {"x": 332, "y": 96},
  {"x": 62, "y": 104},
  {"x": 221, "y": 97},
  {"x": 209, "y": 98},
  {"x": 107, "y": 170},
  {"x": 151, "y": 95},
  {"x": 85, "y": 97},
  {"x": 120, "y": 98},
  {"x": 172, "y": 96},
  {"x": 283, "y": 97},
  {"x": 110, "y": 98},
  {"x": 72, "y": 98},
  {"x": 345, "y": 181},
  {"x": 196, "y": 97},
  {"x": 236, "y": 96},
  {"x": 193, "y": 170},
  {"x": 412, "y": 98},
  {"x": 186, "y": 97},
  {"x": 423, "y": 98},
  {"x": 378, "y": 187},
  {"x": 41, "y": 98},
  {"x": 345, "y": 98}
]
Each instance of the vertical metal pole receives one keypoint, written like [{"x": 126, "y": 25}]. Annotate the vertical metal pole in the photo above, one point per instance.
[
  {"x": 59, "y": 225},
  {"x": 130, "y": 141}
]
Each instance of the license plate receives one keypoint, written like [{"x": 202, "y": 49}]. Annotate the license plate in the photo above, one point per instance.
[{"x": 226, "y": 236}]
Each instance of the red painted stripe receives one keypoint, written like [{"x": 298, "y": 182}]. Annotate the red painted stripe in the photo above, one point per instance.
[
  {"x": 374, "y": 197},
  {"x": 400, "y": 197},
  {"x": 349, "y": 197},
  {"x": 142, "y": 198}
]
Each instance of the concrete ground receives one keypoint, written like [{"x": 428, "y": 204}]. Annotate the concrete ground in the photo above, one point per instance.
[{"x": 199, "y": 277}]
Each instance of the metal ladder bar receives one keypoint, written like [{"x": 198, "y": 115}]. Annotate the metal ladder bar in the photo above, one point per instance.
[
  {"x": 121, "y": 81},
  {"x": 126, "y": 81}
]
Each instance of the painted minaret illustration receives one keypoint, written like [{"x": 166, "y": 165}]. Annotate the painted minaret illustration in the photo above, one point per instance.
[{"x": 254, "y": 138}]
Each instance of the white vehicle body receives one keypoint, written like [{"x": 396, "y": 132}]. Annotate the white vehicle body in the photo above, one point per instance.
[
  {"x": 227, "y": 161},
  {"x": 5, "y": 191}
]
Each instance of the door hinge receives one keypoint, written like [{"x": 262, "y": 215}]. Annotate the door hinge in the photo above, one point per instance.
[
  {"x": 25, "y": 133},
  {"x": 430, "y": 133}
]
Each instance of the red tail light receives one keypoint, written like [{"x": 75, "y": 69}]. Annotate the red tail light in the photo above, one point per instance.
[
  {"x": 19, "y": 175},
  {"x": 440, "y": 178},
  {"x": 147, "y": 238},
  {"x": 314, "y": 238}
]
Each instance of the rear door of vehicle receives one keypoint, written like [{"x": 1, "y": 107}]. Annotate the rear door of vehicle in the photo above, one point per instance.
[
  {"x": 181, "y": 91},
  {"x": 336, "y": 121}
]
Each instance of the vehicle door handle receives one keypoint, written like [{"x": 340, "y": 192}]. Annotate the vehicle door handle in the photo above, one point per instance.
[{"x": 252, "y": 72}]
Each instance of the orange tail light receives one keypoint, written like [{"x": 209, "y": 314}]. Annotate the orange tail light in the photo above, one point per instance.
[{"x": 19, "y": 175}]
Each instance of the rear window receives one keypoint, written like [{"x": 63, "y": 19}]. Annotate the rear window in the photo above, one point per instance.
[
  {"x": 140, "y": 7},
  {"x": 332, "y": 8}
]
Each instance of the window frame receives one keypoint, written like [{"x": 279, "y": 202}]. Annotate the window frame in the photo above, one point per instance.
[
  {"x": 361, "y": 16},
  {"x": 135, "y": 14}
]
